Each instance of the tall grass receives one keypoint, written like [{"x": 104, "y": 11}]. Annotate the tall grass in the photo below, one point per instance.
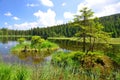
[
  {"x": 14, "y": 72},
  {"x": 50, "y": 72}
]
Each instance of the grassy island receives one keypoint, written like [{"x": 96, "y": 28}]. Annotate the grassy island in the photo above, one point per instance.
[{"x": 37, "y": 49}]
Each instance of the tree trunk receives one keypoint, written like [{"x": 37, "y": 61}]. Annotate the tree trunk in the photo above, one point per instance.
[{"x": 84, "y": 42}]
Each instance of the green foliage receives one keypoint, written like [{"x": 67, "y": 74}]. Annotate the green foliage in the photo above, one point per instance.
[
  {"x": 21, "y": 40},
  {"x": 20, "y": 47},
  {"x": 36, "y": 41},
  {"x": 111, "y": 24},
  {"x": 48, "y": 44},
  {"x": 83, "y": 21},
  {"x": 75, "y": 59},
  {"x": 114, "y": 53},
  {"x": 90, "y": 28},
  {"x": 14, "y": 72}
]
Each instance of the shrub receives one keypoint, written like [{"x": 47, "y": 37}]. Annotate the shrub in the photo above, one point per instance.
[{"x": 21, "y": 40}]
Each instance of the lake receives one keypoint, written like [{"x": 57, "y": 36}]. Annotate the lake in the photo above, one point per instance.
[
  {"x": 6, "y": 55},
  {"x": 7, "y": 43},
  {"x": 113, "y": 51}
]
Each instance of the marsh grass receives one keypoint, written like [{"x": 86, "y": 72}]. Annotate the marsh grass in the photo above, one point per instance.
[
  {"x": 44, "y": 45},
  {"x": 14, "y": 72},
  {"x": 50, "y": 72}
]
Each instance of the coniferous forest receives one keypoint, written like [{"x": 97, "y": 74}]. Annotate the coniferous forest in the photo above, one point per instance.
[{"x": 111, "y": 24}]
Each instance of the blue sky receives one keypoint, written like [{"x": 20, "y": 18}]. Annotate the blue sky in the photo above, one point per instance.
[{"x": 27, "y": 14}]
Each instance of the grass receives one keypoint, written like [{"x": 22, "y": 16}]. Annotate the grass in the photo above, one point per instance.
[
  {"x": 14, "y": 72},
  {"x": 48, "y": 44},
  {"x": 49, "y": 72},
  {"x": 111, "y": 41},
  {"x": 37, "y": 54},
  {"x": 15, "y": 35},
  {"x": 44, "y": 45},
  {"x": 20, "y": 47}
]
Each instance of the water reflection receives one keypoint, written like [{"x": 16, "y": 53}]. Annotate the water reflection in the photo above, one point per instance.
[
  {"x": 34, "y": 57},
  {"x": 7, "y": 39},
  {"x": 75, "y": 45},
  {"x": 5, "y": 52}
]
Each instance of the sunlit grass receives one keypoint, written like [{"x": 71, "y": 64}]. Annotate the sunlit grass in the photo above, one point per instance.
[
  {"x": 110, "y": 41},
  {"x": 44, "y": 45},
  {"x": 50, "y": 72},
  {"x": 14, "y": 72}
]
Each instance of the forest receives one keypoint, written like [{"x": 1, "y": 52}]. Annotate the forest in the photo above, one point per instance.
[{"x": 111, "y": 24}]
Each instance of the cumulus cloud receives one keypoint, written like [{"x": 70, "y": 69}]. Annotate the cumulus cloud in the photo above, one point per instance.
[
  {"x": 16, "y": 18},
  {"x": 109, "y": 10},
  {"x": 68, "y": 15},
  {"x": 101, "y": 7},
  {"x": 32, "y": 5},
  {"x": 46, "y": 18},
  {"x": 48, "y": 3},
  {"x": 8, "y": 14},
  {"x": 64, "y": 4},
  {"x": 23, "y": 26},
  {"x": 59, "y": 22}
]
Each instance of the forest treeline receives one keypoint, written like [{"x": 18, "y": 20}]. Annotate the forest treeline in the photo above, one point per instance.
[{"x": 111, "y": 24}]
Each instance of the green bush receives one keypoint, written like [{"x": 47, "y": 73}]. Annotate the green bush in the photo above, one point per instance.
[{"x": 21, "y": 40}]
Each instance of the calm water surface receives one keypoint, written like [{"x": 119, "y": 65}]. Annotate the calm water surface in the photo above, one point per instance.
[
  {"x": 8, "y": 57},
  {"x": 5, "y": 54}
]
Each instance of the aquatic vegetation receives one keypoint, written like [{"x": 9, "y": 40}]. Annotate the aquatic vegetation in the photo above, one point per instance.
[
  {"x": 36, "y": 44},
  {"x": 49, "y": 72},
  {"x": 14, "y": 72},
  {"x": 90, "y": 62},
  {"x": 36, "y": 49}
]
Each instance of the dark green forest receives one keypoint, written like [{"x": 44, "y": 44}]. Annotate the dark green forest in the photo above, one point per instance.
[{"x": 111, "y": 24}]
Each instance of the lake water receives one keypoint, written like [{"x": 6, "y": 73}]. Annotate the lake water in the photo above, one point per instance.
[
  {"x": 5, "y": 54},
  {"x": 7, "y": 57}
]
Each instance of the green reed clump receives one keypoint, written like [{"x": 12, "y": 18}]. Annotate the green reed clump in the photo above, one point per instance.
[
  {"x": 14, "y": 72},
  {"x": 49, "y": 72}
]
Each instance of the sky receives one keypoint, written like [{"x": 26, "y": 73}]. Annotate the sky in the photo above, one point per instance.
[{"x": 27, "y": 14}]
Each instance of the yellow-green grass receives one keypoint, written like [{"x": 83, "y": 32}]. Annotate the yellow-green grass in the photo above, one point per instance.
[
  {"x": 15, "y": 35},
  {"x": 49, "y": 72},
  {"x": 43, "y": 46},
  {"x": 110, "y": 40},
  {"x": 14, "y": 72}
]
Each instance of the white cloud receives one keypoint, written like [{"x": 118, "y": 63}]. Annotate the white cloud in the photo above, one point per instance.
[
  {"x": 32, "y": 5},
  {"x": 16, "y": 18},
  {"x": 109, "y": 10},
  {"x": 59, "y": 22},
  {"x": 101, "y": 7},
  {"x": 68, "y": 15},
  {"x": 64, "y": 4},
  {"x": 5, "y": 23},
  {"x": 8, "y": 14},
  {"x": 48, "y": 3},
  {"x": 46, "y": 18},
  {"x": 23, "y": 26}
]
